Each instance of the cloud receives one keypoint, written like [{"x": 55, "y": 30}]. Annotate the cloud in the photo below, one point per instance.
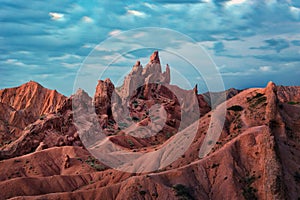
[
  {"x": 11, "y": 29},
  {"x": 275, "y": 58},
  {"x": 114, "y": 32},
  {"x": 295, "y": 12},
  {"x": 178, "y": 1},
  {"x": 265, "y": 68},
  {"x": 89, "y": 46},
  {"x": 136, "y": 13},
  {"x": 17, "y": 63},
  {"x": 235, "y": 2},
  {"x": 71, "y": 65},
  {"x": 149, "y": 5},
  {"x": 296, "y": 42},
  {"x": 65, "y": 57},
  {"x": 218, "y": 47},
  {"x": 56, "y": 16},
  {"x": 14, "y": 62},
  {"x": 87, "y": 19},
  {"x": 274, "y": 44},
  {"x": 238, "y": 34}
]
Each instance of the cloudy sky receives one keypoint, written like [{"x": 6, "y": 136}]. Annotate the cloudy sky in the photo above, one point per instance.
[{"x": 250, "y": 41}]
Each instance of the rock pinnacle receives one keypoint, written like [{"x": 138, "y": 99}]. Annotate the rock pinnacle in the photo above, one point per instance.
[{"x": 154, "y": 57}]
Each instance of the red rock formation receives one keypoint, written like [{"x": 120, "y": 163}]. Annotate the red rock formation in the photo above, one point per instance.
[
  {"x": 143, "y": 95},
  {"x": 23, "y": 105},
  {"x": 249, "y": 161},
  {"x": 167, "y": 75},
  {"x": 154, "y": 58},
  {"x": 139, "y": 76},
  {"x": 102, "y": 98},
  {"x": 195, "y": 89},
  {"x": 288, "y": 93},
  {"x": 33, "y": 97},
  {"x": 256, "y": 157}
]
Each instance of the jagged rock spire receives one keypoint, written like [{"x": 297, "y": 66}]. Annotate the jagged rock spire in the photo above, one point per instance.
[
  {"x": 196, "y": 89},
  {"x": 167, "y": 75},
  {"x": 154, "y": 58},
  {"x": 140, "y": 75},
  {"x": 138, "y": 63},
  {"x": 137, "y": 68},
  {"x": 102, "y": 97}
]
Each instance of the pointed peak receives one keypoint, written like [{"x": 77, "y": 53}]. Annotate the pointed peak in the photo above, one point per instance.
[
  {"x": 80, "y": 92},
  {"x": 154, "y": 58},
  {"x": 32, "y": 83},
  {"x": 196, "y": 89},
  {"x": 137, "y": 68},
  {"x": 271, "y": 85},
  {"x": 138, "y": 63},
  {"x": 107, "y": 80}
]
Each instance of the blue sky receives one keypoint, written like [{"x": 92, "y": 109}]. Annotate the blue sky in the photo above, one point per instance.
[{"x": 251, "y": 41}]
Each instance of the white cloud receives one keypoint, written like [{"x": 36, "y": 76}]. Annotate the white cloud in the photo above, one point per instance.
[
  {"x": 235, "y": 2},
  {"x": 18, "y": 63},
  {"x": 265, "y": 68},
  {"x": 24, "y": 52},
  {"x": 87, "y": 19},
  {"x": 64, "y": 57},
  {"x": 56, "y": 16},
  {"x": 235, "y": 73},
  {"x": 136, "y": 13},
  {"x": 295, "y": 12},
  {"x": 14, "y": 62},
  {"x": 138, "y": 35},
  {"x": 89, "y": 46},
  {"x": 175, "y": 7},
  {"x": 43, "y": 76},
  {"x": 114, "y": 32},
  {"x": 71, "y": 65},
  {"x": 152, "y": 6}
]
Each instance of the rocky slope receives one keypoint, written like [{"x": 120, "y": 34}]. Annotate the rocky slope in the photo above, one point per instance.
[
  {"x": 23, "y": 105},
  {"x": 255, "y": 157},
  {"x": 32, "y": 97}
]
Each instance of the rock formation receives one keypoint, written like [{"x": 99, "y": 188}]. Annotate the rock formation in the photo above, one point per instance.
[
  {"x": 23, "y": 105},
  {"x": 139, "y": 76},
  {"x": 103, "y": 96},
  {"x": 32, "y": 97},
  {"x": 67, "y": 161},
  {"x": 256, "y": 157},
  {"x": 143, "y": 88}
]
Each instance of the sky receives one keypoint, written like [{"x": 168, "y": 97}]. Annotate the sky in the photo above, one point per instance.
[{"x": 251, "y": 42}]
